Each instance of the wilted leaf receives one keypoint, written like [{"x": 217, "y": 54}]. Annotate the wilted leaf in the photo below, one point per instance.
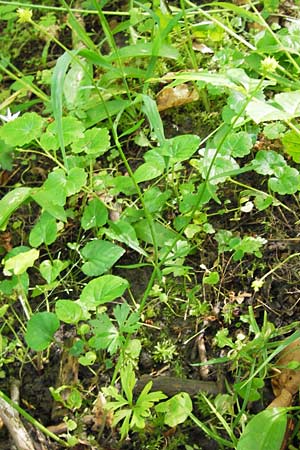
[{"x": 179, "y": 95}]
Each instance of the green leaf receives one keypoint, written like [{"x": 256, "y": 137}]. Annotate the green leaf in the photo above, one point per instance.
[
  {"x": 163, "y": 235},
  {"x": 94, "y": 215},
  {"x": 284, "y": 106},
  {"x": 122, "y": 231},
  {"x": 155, "y": 200},
  {"x": 151, "y": 111},
  {"x": 72, "y": 130},
  {"x": 177, "y": 409},
  {"x": 106, "y": 336},
  {"x": 213, "y": 165},
  {"x": 75, "y": 181},
  {"x": 267, "y": 162},
  {"x": 100, "y": 256},
  {"x": 127, "y": 322},
  {"x": 44, "y": 231},
  {"x": 68, "y": 311},
  {"x": 102, "y": 290},
  {"x": 22, "y": 130},
  {"x": 211, "y": 279},
  {"x": 252, "y": 394},
  {"x": 46, "y": 200},
  {"x": 40, "y": 330},
  {"x": 51, "y": 269},
  {"x": 147, "y": 171},
  {"x": 52, "y": 194},
  {"x": 88, "y": 359},
  {"x": 288, "y": 182},
  {"x": 180, "y": 148},
  {"x": 16, "y": 265},
  {"x": 261, "y": 111},
  {"x": 95, "y": 142},
  {"x": 265, "y": 431},
  {"x": 143, "y": 49},
  {"x": 274, "y": 130},
  {"x": 291, "y": 143},
  {"x": 77, "y": 84},
  {"x": 128, "y": 381},
  {"x": 238, "y": 144},
  {"x": 10, "y": 202}
]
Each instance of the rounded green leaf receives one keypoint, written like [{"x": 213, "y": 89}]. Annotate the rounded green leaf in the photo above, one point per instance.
[
  {"x": 68, "y": 311},
  {"x": 288, "y": 182},
  {"x": 22, "y": 130},
  {"x": 102, "y": 290},
  {"x": 177, "y": 409},
  {"x": 40, "y": 330}
]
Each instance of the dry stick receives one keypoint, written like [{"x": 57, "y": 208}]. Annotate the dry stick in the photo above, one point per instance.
[
  {"x": 15, "y": 427},
  {"x": 173, "y": 385}
]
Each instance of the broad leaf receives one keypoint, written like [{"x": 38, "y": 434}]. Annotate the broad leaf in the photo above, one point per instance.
[
  {"x": 238, "y": 144},
  {"x": 72, "y": 130},
  {"x": 94, "y": 215},
  {"x": 22, "y": 130},
  {"x": 180, "y": 148},
  {"x": 122, "y": 231},
  {"x": 100, "y": 256},
  {"x": 75, "y": 181},
  {"x": 16, "y": 265},
  {"x": 40, "y": 330},
  {"x": 68, "y": 311},
  {"x": 44, "y": 231},
  {"x": 51, "y": 269},
  {"x": 102, "y": 290},
  {"x": 267, "y": 162},
  {"x": 106, "y": 335},
  {"x": 147, "y": 171},
  {"x": 287, "y": 183},
  {"x": 177, "y": 409},
  {"x": 265, "y": 431},
  {"x": 95, "y": 142}
]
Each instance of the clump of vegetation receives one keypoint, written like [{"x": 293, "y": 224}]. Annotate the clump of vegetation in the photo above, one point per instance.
[{"x": 137, "y": 239}]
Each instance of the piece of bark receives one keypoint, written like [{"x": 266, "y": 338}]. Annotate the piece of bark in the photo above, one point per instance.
[{"x": 173, "y": 385}]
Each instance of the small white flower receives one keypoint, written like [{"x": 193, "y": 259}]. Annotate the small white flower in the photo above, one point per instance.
[{"x": 9, "y": 116}]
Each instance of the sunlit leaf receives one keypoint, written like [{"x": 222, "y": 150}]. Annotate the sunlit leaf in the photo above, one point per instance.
[
  {"x": 22, "y": 130},
  {"x": 20, "y": 263}
]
